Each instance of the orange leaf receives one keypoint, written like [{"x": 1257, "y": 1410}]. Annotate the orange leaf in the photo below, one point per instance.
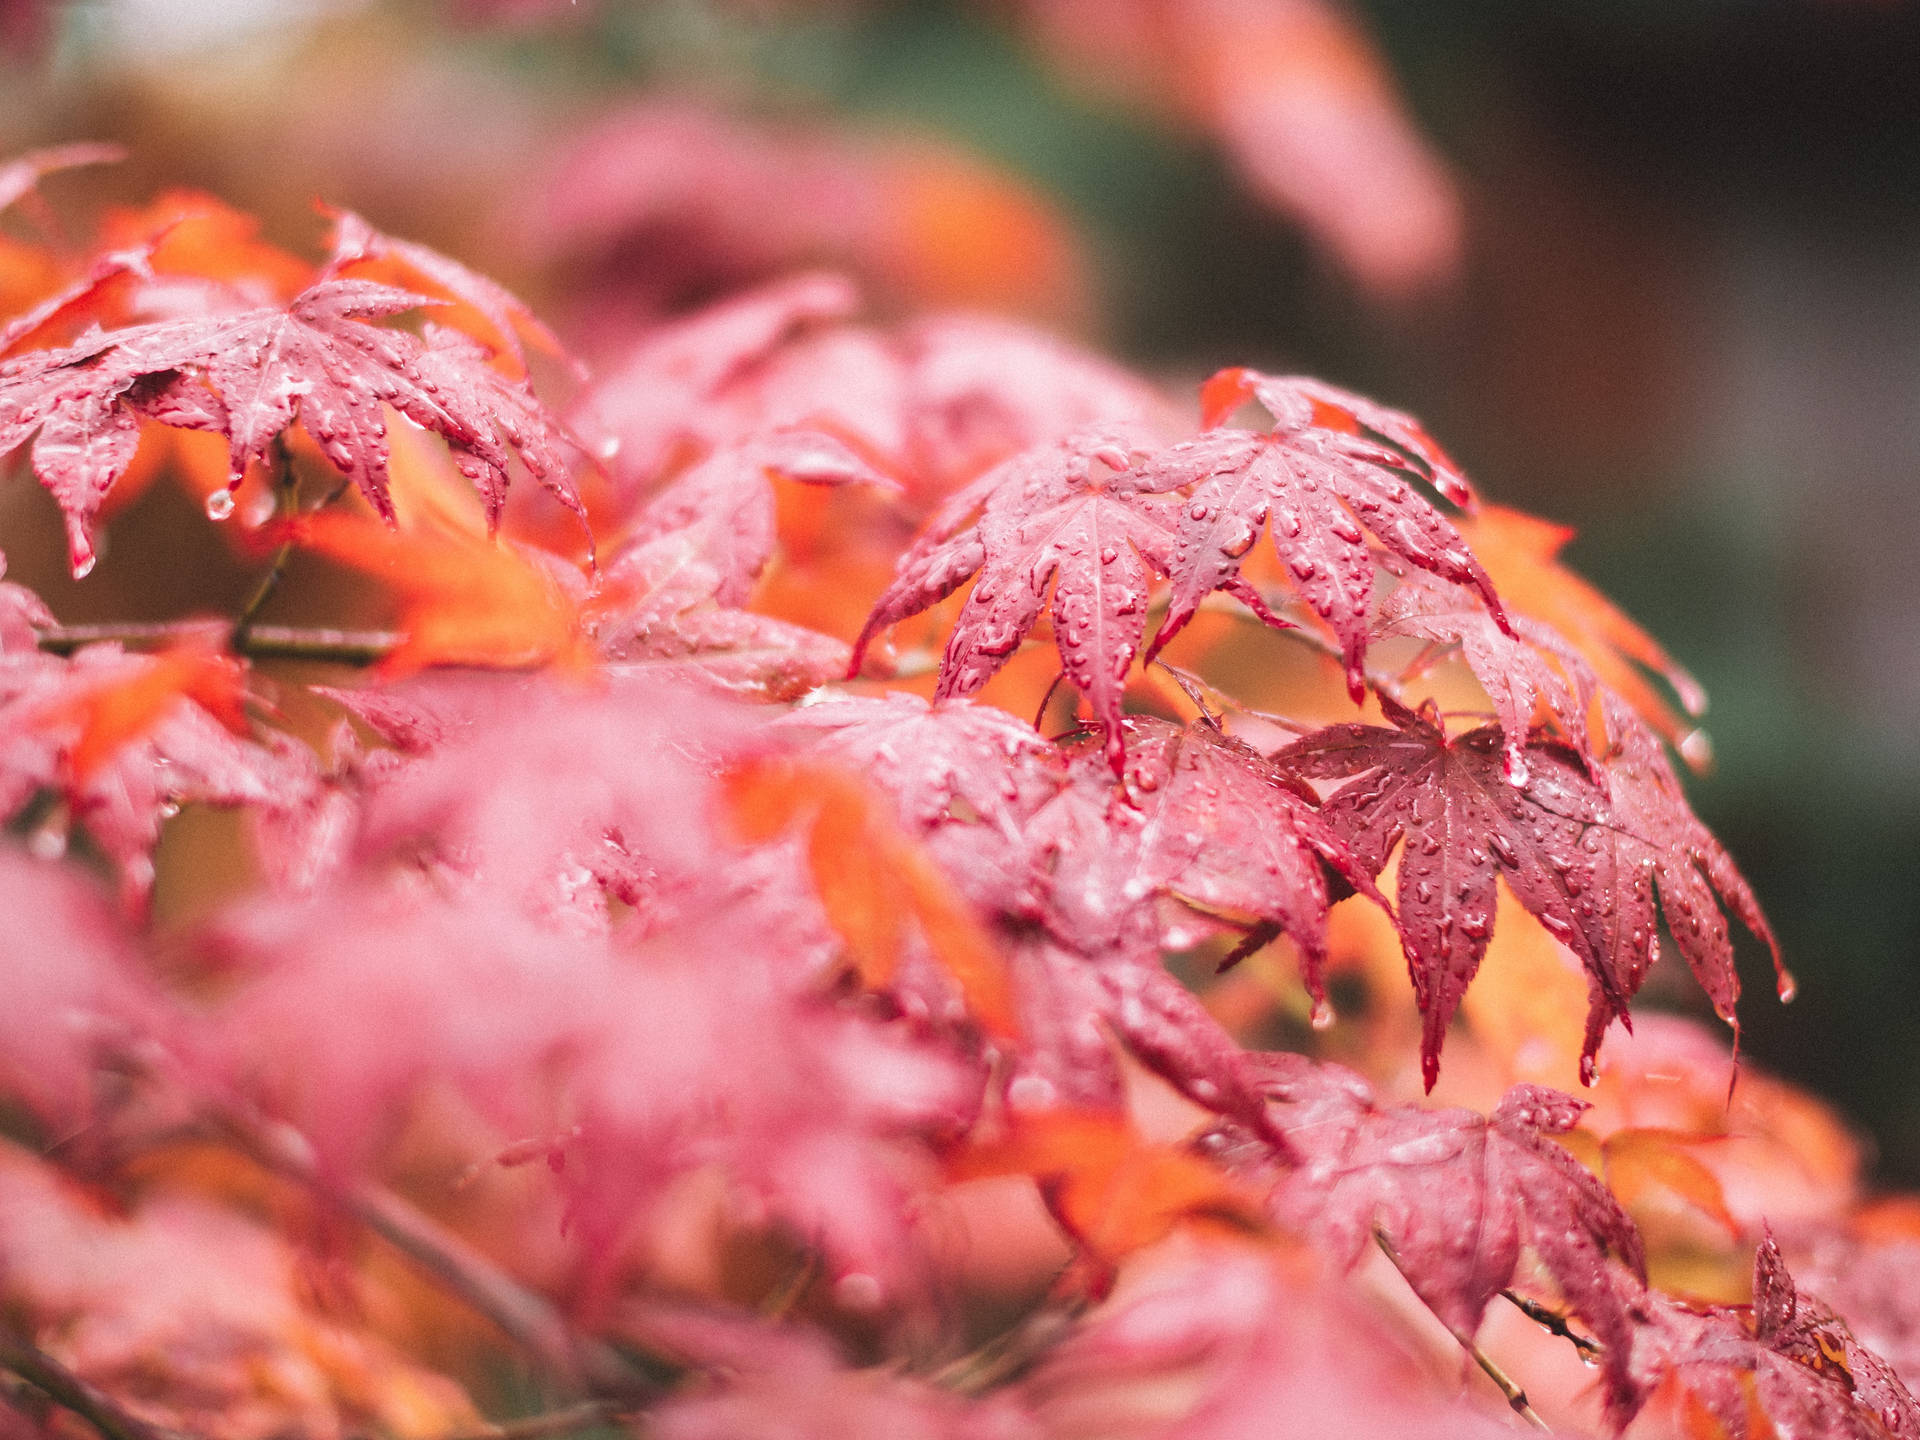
[
  {"x": 196, "y": 234},
  {"x": 117, "y": 712},
  {"x": 466, "y": 600},
  {"x": 871, "y": 877},
  {"x": 1519, "y": 551},
  {"x": 1642, "y": 1159},
  {"x": 1114, "y": 1192}
]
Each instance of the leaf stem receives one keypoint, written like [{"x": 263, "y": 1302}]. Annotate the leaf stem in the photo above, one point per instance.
[
  {"x": 286, "y": 502},
  {"x": 1516, "y": 1396},
  {"x": 69, "y": 1391}
]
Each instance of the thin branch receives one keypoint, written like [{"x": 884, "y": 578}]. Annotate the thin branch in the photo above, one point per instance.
[
  {"x": 259, "y": 642},
  {"x": 1378, "y": 681},
  {"x": 521, "y": 1313},
  {"x": 1516, "y": 1397},
  {"x": 286, "y": 503},
  {"x": 1006, "y": 1355},
  {"x": 68, "y": 1390},
  {"x": 1555, "y": 1323},
  {"x": 587, "y": 1415}
]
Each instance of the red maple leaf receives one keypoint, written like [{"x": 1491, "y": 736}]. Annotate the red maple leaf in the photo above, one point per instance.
[
  {"x": 1466, "y": 825},
  {"x": 1203, "y": 821},
  {"x": 1786, "y": 1365},
  {"x": 1350, "y": 1168},
  {"x": 1319, "y": 483},
  {"x": 1070, "y": 527},
  {"x": 249, "y": 375}
]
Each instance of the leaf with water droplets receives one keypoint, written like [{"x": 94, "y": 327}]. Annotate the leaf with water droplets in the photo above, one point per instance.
[
  {"x": 1073, "y": 527},
  {"x": 1466, "y": 825},
  {"x": 1521, "y": 552},
  {"x": 1347, "y": 1167},
  {"x": 1204, "y": 821},
  {"x": 1787, "y": 1365},
  {"x": 1518, "y": 669},
  {"x": 1319, "y": 483},
  {"x": 250, "y": 374},
  {"x": 1657, "y": 841}
]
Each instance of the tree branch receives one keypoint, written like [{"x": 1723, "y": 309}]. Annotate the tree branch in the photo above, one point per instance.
[
  {"x": 66, "y": 1389},
  {"x": 1516, "y": 1396},
  {"x": 521, "y": 1313},
  {"x": 256, "y": 642}
]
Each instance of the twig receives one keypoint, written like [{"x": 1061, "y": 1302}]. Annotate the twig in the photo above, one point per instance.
[
  {"x": 1555, "y": 1323},
  {"x": 521, "y": 1313},
  {"x": 286, "y": 502},
  {"x": 259, "y": 642},
  {"x": 1007, "y": 1354},
  {"x": 68, "y": 1390},
  {"x": 1377, "y": 681},
  {"x": 587, "y": 1415},
  {"x": 1516, "y": 1397}
]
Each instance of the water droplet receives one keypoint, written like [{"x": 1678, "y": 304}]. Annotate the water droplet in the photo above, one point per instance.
[
  {"x": 1198, "y": 511},
  {"x": 49, "y": 842},
  {"x": 220, "y": 504},
  {"x": 83, "y": 565},
  {"x": 1787, "y": 987},
  {"x": 1321, "y": 1016},
  {"x": 1589, "y": 1072},
  {"x": 1504, "y": 850},
  {"x": 1513, "y": 766}
]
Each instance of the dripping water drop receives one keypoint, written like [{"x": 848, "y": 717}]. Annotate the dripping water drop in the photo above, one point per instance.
[{"x": 220, "y": 504}]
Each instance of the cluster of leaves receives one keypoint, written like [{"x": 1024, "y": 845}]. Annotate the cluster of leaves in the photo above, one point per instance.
[{"x": 805, "y": 962}]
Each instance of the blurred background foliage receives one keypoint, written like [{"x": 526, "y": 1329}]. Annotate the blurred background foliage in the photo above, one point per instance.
[{"x": 1678, "y": 307}]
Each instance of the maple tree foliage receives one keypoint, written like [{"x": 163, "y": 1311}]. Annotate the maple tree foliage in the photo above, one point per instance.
[{"x": 799, "y": 959}]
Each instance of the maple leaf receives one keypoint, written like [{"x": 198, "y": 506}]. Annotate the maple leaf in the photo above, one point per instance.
[
  {"x": 870, "y": 876},
  {"x": 1466, "y": 824},
  {"x": 1582, "y": 859},
  {"x": 1071, "y": 527},
  {"x": 1785, "y": 1366},
  {"x": 23, "y": 615},
  {"x": 249, "y": 375},
  {"x": 75, "y": 992},
  {"x": 981, "y": 389},
  {"x": 468, "y": 600},
  {"x": 125, "y": 740},
  {"x": 935, "y": 759},
  {"x": 198, "y": 1317},
  {"x": 1521, "y": 553},
  {"x": 1205, "y": 821},
  {"x": 772, "y": 1381},
  {"x": 725, "y": 504},
  {"x": 659, "y": 609},
  {"x": 659, "y": 402},
  {"x": 1350, "y": 1167},
  {"x": 488, "y": 311},
  {"x": 1518, "y": 668},
  {"x": 1318, "y": 484},
  {"x": 21, "y": 175},
  {"x": 1206, "y": 1337},
  {"x": 1110, "y": 1189},
  {"x": 1658, "y": 842}
]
